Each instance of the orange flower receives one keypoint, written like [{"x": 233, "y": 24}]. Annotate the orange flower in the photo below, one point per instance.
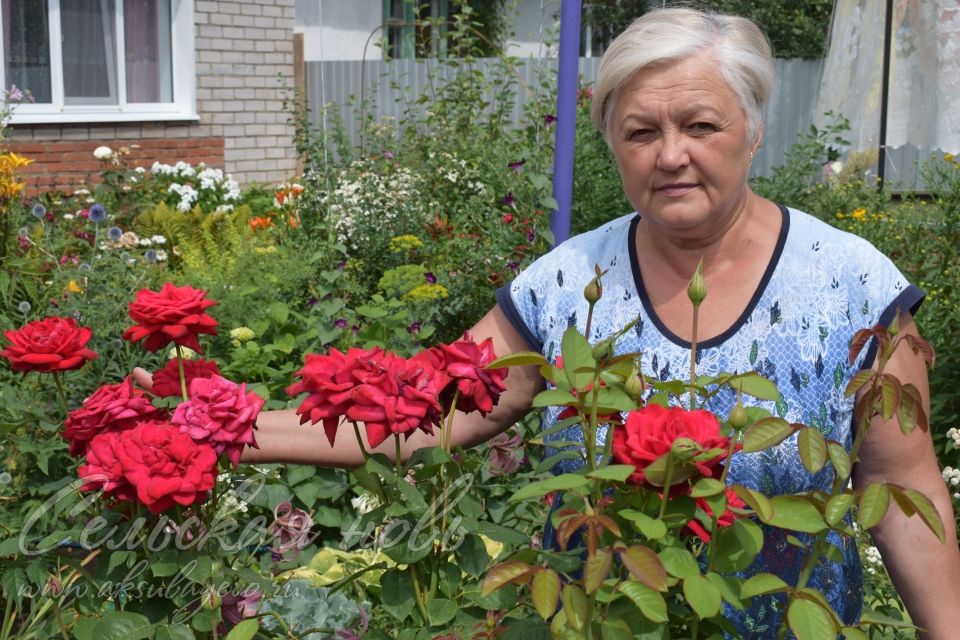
[
  {"x": 294, "y": 223},
  {"x": 260, "y": 222}
]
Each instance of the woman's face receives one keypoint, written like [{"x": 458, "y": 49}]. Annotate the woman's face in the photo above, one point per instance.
[{"x": 679, "y": 138}]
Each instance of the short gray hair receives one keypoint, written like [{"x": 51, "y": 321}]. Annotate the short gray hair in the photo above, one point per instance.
[{"x": 740, "y": 48}]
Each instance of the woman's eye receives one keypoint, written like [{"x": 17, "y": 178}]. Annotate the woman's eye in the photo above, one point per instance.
[
  {"x": 640, "y": 134},
  {"x": 703, "y": 127}
]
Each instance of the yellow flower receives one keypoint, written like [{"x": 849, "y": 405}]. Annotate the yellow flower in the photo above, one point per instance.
[
  {"x": 949, "y": 157},
  {"x": 859, "y": 214},
  {"x": 241, "y": 335},
  {"x": 403, "y": 243},
  {"x": 73, "y": 287},
  {"x": 188, "y": 353},
  {"x": 426, "y": 293}
]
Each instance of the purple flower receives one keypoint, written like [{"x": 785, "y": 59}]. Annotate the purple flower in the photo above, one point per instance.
[
  {"x": 342, "y": 265},
  {"x": 350, "y": 634},
  {"x": 531, "y": 236},
  {"x": 290, "y": 528},
  {"x": 97, "y": 213},
  {"x": 114, "y": 233},
  {"x": 14, "y": 94},
  {"x": 38, "y": 211},
  {"x": 516, "y": 164},
  {"x": 513, "y": 266},
  {"x": 150, "y": 255},
  {"x": 432, "y": 279},
  {"x": 505, "y": 453},
  {"x": 312, "y": 301},
  {"x": 549, "y": 119},
  {"x": 236, "y": 607},
  {"x": 508, "y": 200},
  {"x": 340, "y": 323},
  {"x": 414, "y": 328},
  {"x": 388, "y": 155}
]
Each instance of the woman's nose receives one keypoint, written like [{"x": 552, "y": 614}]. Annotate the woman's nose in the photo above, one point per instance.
[{"x": 673, "y": 153}]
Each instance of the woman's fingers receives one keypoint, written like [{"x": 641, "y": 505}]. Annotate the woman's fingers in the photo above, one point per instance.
[{"x": 143, "y": 378}]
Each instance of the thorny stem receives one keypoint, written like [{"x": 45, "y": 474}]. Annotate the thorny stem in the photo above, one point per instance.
[
  {"x": 183, "y": 376},
  {"x": 61, "y": 392},
  {"x": 693, "y": 357}
]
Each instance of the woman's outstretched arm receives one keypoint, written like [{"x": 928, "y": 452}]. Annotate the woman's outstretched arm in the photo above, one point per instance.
[
  {"x": 281, "y": 437},
  {"x": 925, "y": 571}
]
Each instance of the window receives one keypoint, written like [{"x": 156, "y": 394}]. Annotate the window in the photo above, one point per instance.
[
  {"x": 415, "y": 28},
  {"x": 100, "y": 60}
]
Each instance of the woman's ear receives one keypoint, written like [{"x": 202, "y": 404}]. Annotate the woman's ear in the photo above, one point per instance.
[{"x": 756, "y": 143}]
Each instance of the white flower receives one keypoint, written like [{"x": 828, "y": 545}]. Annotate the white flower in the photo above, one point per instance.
[
  {"x": 158, "y": 239},
  {"x": 68, "y": 216},
  {"x": 146, "y": 242},
  {"x": 161, "y": 255},
  {"x": 364, "y": 503},
  {"x": 103, "y": 153},
  {"x": 81, "y": 192},
  {"x": 141, "y": 170}
]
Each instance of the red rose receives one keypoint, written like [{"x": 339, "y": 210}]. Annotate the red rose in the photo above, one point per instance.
[
  {"x": 393, "y": 396},
  {"x": 465, "y": 361},
  {"x": 165, "y": 466},
  {"x": 112, "y": 407},
  {"x": 507, "y": 218},
  {"x": 103, "y": 469},
  {"x": 220, "y": 413},
  {"x": 725, "y": 520},
  {"x": 173, "y": 314},
  {"x": 49, "y": 345},
  {"x": 328, "y": 379},
  {"x": 166, "y": 381},
  {"x": 650, "y": 432}
]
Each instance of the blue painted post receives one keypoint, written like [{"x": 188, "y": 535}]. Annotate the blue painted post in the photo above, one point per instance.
[{"x": 567, "y": 79}]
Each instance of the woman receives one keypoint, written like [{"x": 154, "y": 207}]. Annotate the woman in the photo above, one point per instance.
[{"x": 679, "y": 98}]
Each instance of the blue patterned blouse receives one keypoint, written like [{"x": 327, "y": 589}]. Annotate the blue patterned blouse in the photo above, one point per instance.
[{"x": 820, "y": 287}]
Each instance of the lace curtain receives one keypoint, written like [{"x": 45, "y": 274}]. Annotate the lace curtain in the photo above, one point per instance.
[{"x": 924, "y": 100}]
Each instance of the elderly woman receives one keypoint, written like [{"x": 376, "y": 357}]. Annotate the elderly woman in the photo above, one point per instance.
[{"x": 679, "y": 98}]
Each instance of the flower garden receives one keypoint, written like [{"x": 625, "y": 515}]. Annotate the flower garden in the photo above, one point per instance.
[{"x": 125, "y": 511}]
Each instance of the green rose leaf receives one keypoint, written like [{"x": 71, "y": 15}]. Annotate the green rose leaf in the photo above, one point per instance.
[
  {"x": 543, "y": 487},
  {"x": 178, "y": 631},
  {"x": 763, "y": 584},
  {"x": 765, "y": 433},
  {"x": 397, "y": 595},
  {"x": 514, "y": 571},
  {"x": 596, "y": 569},
  {"x": 520, "y": 359},
  {"x": 729, "y": 588},
  {"x": 796, "y": 514},
  {"x": 706, "y": 487},
  {"x": 679, "y": 562},
  {"x": 652, "y": 528},
  {"x": 753, "y": 384},
  {"x": 440, "y": 611},
  {"x": 813, "y": 449},
  {"x": 123, "y": 625},
  {"x": 552, "y": 398},
  {"x": 614, "y": 472},
  {"x": 702, "y": 595},
  {"x": 873, "y": 504},
  {"x": 646, "y": 566},
  {"x": 545, "y": 592},
  {"x": 651, "y": 603},
  {"x": 575, "y": 606},
  {"x": 615, "y": 630},
  {"x": 755, "y": 500},
  {"x": 245, "y": 630},
  {"x": 837, "y": 507},
  {"x": 578, "y": 361},
  {"x": 852, "y": 633},
  {"x": 472, "y": 555},
  {"x": 839, "y": 458},
  {"x": 809, "y": 621}
]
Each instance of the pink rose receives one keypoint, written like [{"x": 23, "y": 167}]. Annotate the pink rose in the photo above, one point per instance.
[{"x": 220, "y": 413}]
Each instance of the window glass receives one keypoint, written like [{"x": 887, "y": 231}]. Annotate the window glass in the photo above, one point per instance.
[
  {"x": 146, "y": 35},
  {"x": 88, "y": 33},
  {"x": 26, "y": 39}
]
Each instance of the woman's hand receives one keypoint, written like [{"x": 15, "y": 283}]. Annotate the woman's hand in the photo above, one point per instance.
[{"x": 143, "y": 378}]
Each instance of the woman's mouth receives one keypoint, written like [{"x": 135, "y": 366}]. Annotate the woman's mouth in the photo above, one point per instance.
[{"x": 676, "y": 189}]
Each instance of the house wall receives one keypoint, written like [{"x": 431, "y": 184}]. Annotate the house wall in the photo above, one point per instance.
[
  {"x": 339, "y": 30},
  {"x": 244, "y": 58}
]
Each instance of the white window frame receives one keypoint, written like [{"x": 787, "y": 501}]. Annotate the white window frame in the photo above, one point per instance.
[{"x": 183, "y": 51}]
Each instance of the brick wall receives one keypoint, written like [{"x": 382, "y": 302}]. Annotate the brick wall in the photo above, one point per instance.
[{"x": 244, "y": 58}]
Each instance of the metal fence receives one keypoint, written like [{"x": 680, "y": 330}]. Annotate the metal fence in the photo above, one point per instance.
[{"x": 390, "y": 89}]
